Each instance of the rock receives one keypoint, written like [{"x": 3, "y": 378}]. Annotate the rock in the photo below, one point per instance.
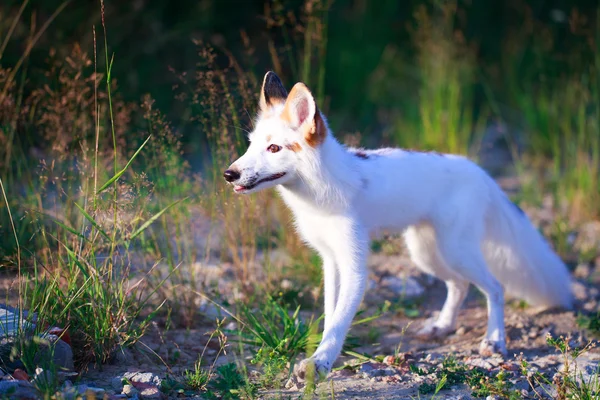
[
  {"x": 579, "y": 290},
  {"x": 480, "y": 363},
  {"x": 151, "y": 393},
  {"x": 94, "y": 392},
  {"x": 371, "y": 370},
  {"x": 461, "y": 331},
  {"x": 57, "y": 350},
  {"x": 11, "y": 325},
  {"x": 43, "y": 378},
  {"x": 70, "y": 393},
  {"x": 582, "y": 271},
  {"x": 407, "y": 287},
  {"x": 17, "y": 390},
  {"x": 130, "y": 391},
  {"x": 143, "y": 377},
  {"x": 20, "y": 375},
  {"x": 209, "y": 310}
]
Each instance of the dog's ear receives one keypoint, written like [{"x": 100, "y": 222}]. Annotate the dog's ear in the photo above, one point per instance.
[
  {"x": 272, "y": 92},
  {"x": 302, "y": 114}
]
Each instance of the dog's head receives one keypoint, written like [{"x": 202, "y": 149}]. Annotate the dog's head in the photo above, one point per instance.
[{"x": 287, "y": 126}]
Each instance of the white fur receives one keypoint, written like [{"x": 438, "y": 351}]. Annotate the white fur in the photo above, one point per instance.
[{"x": 458, "y": 224}]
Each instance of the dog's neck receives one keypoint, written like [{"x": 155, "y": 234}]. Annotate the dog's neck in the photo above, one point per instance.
[{"x": 328, "y": 178}]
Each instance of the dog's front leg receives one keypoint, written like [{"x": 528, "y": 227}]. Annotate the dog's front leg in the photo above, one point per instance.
[
  {"x": 349, "y": 249},
  {"x": 331, "y": 277}
]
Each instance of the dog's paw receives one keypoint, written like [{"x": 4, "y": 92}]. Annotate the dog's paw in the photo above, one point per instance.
[
  {"x": 488, "y": 348},
  {"x": 312, "y": 368},
  {"x": 432, "y": 331}
]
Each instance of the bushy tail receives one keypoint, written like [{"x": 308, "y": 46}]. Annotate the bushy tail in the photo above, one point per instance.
[{"x": 521, "y": 259}]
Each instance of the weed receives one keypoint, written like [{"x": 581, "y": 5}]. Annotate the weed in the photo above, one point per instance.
[
  {"x": 569, "y": 381},
  {"x": 231, "y": 384},
  {"x": 273, "y": 329},
  {"x": 198, "y": 378},
  {"x": 590, "y": 322}
]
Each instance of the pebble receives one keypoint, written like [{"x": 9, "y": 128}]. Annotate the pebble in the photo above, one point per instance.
[
  {"x": 59, "y": 350},
  {"x": 130, "y": 391},
  {"x": 17, "y": 390},
  {"x": 407, "y": 287},
  {"x": 480, "y": 363},
  {"x": 461, "y": 331},
  {"x": 151, "y": 393},
  {"x": 143, "y": 377}
]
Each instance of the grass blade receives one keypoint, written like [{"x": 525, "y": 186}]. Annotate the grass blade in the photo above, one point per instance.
[
  {"x": 121, "y": 172},
  {"x": 64, "y": 226},
  {"x": 154, "y": 218},
  {"x": 92, "y": 221}
]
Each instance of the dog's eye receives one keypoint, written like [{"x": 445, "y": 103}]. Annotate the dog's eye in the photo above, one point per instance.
[{"x": 273, "y": 148}]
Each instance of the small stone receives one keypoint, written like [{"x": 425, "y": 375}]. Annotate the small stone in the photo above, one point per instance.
[
  {"x": 20, "y": 375},
  {"x": 591, "y": 306},
  {"x": 407, "y": 287},
  {"x": 461, "y": 331},
  {"x": 519, "y": 325},
  {"x": 43, "y": 378},
  {"x": 533, "y": 333},
  {"x": 94, "y": 392},
  {"x": 143, "y": 377},
  {"x": 129, "y": 390},
  {"x": 151, "y": 393},
  {"x": 582, "y": 271},
  {"x": 579, "y": 290},
  {"x": 480, "y": 363},
  {"x": 389, "y": 360},
  {"x": 292, "y": 384},
  {"x": 58, "y": 349},
  {"x": 17, "y": 390}
]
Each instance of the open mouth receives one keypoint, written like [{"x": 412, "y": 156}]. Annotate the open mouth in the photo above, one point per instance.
[{"x": 240, "y": 188}]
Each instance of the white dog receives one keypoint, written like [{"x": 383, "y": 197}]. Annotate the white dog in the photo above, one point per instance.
[{"x": 458, "y": 224}]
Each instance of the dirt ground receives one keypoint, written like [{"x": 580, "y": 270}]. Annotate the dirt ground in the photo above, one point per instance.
[{"x": 170, "y": 353}]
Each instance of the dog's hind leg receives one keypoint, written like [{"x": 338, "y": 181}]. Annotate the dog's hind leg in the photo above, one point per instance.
[
  {"x": 422, "y": 246},
  {"x": 460, "y": 247}
]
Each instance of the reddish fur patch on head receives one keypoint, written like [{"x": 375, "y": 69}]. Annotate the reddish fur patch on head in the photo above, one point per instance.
[
  {"x": 269, "y": 138},
  {"x": 317, "y": 131},
  {"x": 314, "y": 131},
  {"x": 295, "y": 147}
]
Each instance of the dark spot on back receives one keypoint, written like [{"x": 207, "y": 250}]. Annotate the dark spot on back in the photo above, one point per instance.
[{"x": 361, "y": 154}]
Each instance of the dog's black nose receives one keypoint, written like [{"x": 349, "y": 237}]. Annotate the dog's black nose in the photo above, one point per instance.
[{"x": 231, "y": 175}]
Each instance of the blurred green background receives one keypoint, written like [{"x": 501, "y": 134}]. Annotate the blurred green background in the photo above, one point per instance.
[{"x": 370, "y": 62}]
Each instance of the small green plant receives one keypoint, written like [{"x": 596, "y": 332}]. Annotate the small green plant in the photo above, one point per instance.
[
  {"x": 590, "y": 322},
  {"x": 197, "y": 378},
  {"x": 484, "y": 385},
  {"x": 271, "y": 327},
  {"x": 569, "y": 382},
  {"x": 273, "y": 366},
  {"x": 231, "y": 384}
]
